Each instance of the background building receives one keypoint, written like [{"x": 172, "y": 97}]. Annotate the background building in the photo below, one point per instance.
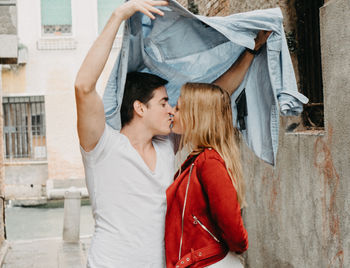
[
  {"x": 40, "y": 139},
  {"x": 8, "y": 54}
]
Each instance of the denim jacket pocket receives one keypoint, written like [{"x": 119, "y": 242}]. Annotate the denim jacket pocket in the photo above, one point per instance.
[{"x": 274, "y": 58}]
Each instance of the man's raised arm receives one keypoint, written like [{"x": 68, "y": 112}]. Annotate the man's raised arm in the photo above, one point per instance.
[
  {"x": 234, "y": 76},
  {"x": 91, "y": 118}
]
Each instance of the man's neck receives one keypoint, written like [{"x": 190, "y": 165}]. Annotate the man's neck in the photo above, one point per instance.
[{"x": 139, "y": 137}]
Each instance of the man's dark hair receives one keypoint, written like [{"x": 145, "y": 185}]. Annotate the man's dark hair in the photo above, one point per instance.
[{"x": 138, "y": 86}]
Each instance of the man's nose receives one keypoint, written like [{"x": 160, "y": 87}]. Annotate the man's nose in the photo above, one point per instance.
[{"x": 171, "y": 110}]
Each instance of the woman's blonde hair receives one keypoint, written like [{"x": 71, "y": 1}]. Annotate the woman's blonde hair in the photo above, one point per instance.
[{"x": 206, "y": 115}]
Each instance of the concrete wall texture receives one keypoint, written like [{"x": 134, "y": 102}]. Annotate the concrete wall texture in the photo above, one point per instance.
[
  {"x": 8, "y": 31},
  {"x": 25, "y": 180},
  {"x": 8, "y": 19},
  {"x": 298, "y": 212}
]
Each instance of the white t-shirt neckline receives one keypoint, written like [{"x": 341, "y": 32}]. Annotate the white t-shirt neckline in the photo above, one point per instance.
[{"x": 140, "y": 157}]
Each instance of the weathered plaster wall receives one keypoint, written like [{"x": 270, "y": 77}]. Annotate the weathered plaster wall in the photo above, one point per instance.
[
  {"x": 25, "y": 179},
  {"x": 299, "y": 212},
  {"x": 8, "y": 19},
  {"x": 335, "y": 167},
  {"x": 8, "y": 32},
  {"x": 14, "y": 79}
]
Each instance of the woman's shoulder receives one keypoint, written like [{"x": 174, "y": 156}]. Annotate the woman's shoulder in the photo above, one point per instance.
[{"x": 209, "y": 155}]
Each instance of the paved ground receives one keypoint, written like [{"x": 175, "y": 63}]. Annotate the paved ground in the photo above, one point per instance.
[{"x": 46, "y": 253}]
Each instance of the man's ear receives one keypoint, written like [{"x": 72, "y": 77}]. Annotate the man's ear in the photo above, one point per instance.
[{"x": 139, "y": 108}]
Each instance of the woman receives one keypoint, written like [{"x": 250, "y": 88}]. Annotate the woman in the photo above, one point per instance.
[{"x": 203, "y": 221}]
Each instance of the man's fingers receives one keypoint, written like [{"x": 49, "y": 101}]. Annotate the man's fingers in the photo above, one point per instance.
[
  {"x": 147, "y": 7},
  {"x": 263, "y": 35},
  {"x": 153, "y": 9},
  {"x": 156, "y": 3},
  {"x": 147, "y": 12},
  {"x": 267, "y": 33}
]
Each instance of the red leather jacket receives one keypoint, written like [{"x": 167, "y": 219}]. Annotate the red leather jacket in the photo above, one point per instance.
[{"x": 203, "y": 219}]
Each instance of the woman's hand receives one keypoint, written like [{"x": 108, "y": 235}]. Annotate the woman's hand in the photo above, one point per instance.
[
  {"x": 261, "y": 39},
  {"x": 146, "y": 7}
]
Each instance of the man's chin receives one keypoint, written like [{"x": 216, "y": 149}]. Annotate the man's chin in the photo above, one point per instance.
[{"x": 162, "y": 133}]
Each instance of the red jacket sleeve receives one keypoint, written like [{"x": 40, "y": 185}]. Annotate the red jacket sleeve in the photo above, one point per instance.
[{"x": 224, "y": 207}]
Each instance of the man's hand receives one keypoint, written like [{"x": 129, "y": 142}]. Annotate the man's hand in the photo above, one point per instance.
[
  {"x": 234, "y": 76},
  {"x": 146, "y": 7},
  {"x": 261, "y": 39}
]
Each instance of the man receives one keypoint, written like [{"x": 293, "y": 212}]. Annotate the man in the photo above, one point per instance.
[{"x": 127, "y": 172}]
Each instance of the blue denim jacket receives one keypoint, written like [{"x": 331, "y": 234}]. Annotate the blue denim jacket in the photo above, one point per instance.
[{"x": 181, "y": 47}]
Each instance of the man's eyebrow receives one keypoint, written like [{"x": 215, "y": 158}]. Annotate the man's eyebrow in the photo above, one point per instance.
[{"x": 164, "y": 99}]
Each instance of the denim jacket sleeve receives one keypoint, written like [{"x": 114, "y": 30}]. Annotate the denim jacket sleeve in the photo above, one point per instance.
[{"x": 182, "y": 47}]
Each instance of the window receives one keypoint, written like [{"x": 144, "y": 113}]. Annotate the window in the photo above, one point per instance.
[
  {"x": 309, "y": 61},
  {"x": 56, "y": 17},
  {"x": 24, "y": 127},
  {"x": 105, "y": 9}
]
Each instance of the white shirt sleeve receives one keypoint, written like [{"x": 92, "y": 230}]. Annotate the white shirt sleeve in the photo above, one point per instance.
[{"x": 101, "y": 148}]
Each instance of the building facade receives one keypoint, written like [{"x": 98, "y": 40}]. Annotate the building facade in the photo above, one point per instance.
[
  {"x": 8, "y": 54},
  {"x": 41, "y": 147}
]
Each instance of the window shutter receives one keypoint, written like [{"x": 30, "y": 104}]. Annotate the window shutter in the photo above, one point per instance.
[
  {"x": 105, "y": 9},
  {"x": 56, "y": 12}
]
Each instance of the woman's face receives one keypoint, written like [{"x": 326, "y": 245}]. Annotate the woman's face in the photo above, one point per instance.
[{"x": 177, "y": 126}]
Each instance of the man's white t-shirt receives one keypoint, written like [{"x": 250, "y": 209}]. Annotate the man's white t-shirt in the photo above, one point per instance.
[{"x": 128, "y": 202}]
